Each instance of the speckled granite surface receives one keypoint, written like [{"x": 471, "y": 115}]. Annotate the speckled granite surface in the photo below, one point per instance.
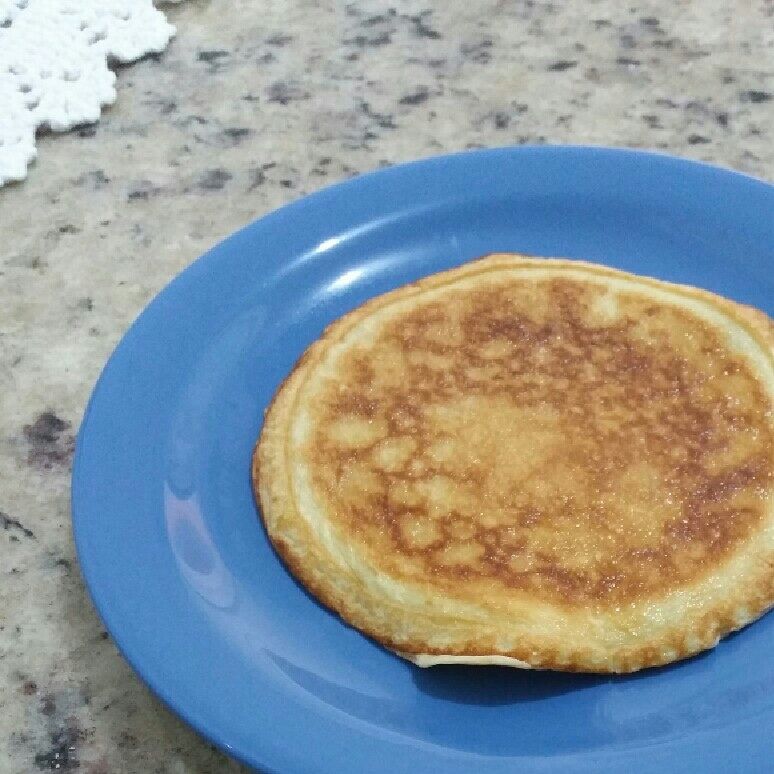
[{"x": 255, "y": 104}]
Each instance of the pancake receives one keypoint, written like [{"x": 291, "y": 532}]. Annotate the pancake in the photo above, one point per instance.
[{"x": 535, "y": 462}]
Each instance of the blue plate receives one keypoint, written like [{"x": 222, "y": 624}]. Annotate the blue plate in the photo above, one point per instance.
[{"x": 178, "y": 563}]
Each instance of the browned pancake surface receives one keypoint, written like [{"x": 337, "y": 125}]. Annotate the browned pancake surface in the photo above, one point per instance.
[
  {"x": 514, "y": 435},
  {"x": 544, "y": 463}
]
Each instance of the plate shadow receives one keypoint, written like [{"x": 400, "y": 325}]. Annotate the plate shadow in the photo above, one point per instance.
[{"x": 498, "y": 685}]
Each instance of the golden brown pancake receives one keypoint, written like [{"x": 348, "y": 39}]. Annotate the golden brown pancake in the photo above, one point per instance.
[{"x": 542, "y": 463}]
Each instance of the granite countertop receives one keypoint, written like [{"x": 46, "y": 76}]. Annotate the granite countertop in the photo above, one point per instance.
[{"x": 253, "y": 105}]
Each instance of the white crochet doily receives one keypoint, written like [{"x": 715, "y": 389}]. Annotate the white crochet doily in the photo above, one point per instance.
[{"x": 54, "y": 71}]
